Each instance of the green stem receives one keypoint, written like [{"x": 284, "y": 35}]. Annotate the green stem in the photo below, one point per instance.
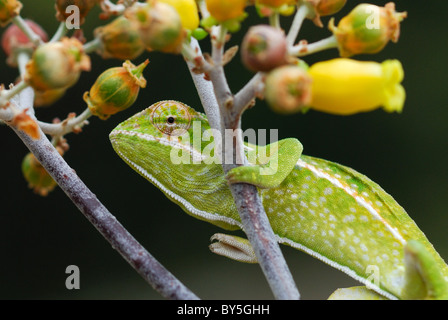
[
  {"x": 61, "y": 32},
  {"x": 92, "y": 46},
  {"x": 274, "y": 20}
]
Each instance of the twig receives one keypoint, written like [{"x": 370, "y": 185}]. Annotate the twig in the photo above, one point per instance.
[
  {"x": 253, "y": 217},
  {"x": 301, "y": 13},
  {"x": 247, "y": 94},
  {"x": 92, "y": 45},
  {"x": 205, "y": 88},
  {"x": 68, "y": 125},
  {"x": 34, "y": 38},
  {"x": 304, "y": 49},
  {"x": 61, "y": 32},
  {"x": 120, "y": 239}
]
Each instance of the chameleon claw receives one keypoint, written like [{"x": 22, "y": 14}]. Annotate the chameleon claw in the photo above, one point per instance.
[{"x": 233, "y": 247}]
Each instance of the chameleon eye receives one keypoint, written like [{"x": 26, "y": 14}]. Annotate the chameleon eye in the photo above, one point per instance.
[{"x": 171, "y": 118}]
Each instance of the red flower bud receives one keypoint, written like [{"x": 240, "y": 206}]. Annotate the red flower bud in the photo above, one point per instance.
[
  {"x": 264, "y": 48},
  {"x": 14, "y": 38}
]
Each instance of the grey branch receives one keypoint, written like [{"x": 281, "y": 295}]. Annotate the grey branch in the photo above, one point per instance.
[
  {"x": 120, "y": 239},
  {"x": 251, "y": 211}
]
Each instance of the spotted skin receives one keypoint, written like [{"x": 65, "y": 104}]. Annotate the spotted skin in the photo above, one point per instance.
[{"x": 325, "y": 209}]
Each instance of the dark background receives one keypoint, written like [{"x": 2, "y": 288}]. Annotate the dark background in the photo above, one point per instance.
[{"x": 405, "y": 153}]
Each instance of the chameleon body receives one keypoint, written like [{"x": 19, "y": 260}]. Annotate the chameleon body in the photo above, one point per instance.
[{"x": 325, "y": 209}]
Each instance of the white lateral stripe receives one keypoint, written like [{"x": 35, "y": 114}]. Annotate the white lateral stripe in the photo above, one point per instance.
[
  {"x": 171, "y": 143},
  {"x": 337, "y": 266},
  {"x": 353, "y": 194}
]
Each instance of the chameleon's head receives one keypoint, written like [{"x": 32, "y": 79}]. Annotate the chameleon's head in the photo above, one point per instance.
[
  {"x": 160, "y": 133},
  {"x": 169, "y": 144}
]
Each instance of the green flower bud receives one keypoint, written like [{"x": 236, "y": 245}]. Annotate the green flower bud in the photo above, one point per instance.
[
  {"x": 57, "y": 65},
  {"x": 159, "y": 26},
  {"x": 288, "y": 89},
  {"x": 367, "y": 29},
  {"x": 119, "y": 40},
  {"x": 8, "y": 10},
  {"x": 116, "y": 89},
  {"x": 37, "y": 177}
]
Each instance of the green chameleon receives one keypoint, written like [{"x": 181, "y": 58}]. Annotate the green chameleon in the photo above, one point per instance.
[{"x": 325, "y": 209}]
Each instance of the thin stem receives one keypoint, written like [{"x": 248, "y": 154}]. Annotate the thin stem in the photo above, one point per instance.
[
  {"x": 119, "y": 238},
  {"x": 274, "y": 20},
  {"x": 301, "y": 14},
  {"x": 205, "y": 90},
  {"x": 8, "y": 94},
  {"x": 22, "y": 61},
  {"x": 304, "y": 49},
  {"x": 68, "y": 125},
  {"x": 21, "y": 23},
  {"x": 61, "y": 32},
  {"x": 203, "y": 8},
  {"x": 92, "y": 45},
  {"x": 248, "y": 93}
]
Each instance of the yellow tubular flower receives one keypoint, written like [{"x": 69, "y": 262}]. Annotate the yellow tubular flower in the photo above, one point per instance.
[
  {"x": 188, "y": 12},
  {"x": 344, "y": 86},
  {"x": 223, "y": 10}
]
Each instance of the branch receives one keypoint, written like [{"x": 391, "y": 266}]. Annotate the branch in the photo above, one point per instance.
[
  {"x": 253, "y": 217},
  {"x": 120, "y": 239},
  {"x": 71, "y": 124},
  {"x": 303, "y": 48}
]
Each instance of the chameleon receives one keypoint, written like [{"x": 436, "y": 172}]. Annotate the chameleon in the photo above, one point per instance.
[{"x": 322, "y": 208}]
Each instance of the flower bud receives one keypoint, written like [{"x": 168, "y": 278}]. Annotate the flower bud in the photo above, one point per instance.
[
  {"x": 344, "y": 86},
  {"x": 119, "y": 40},
  {"x": 48, "y": 97},
  {"x": 367, "y": 29},
  {"x": 37, "y": 177},
  {"x": 224, "y": 10},
  {"x": 159, "y": 26},
  {"x": 8, "y": 10},
  {"x": 188, "y": 12},
  {"x": 264, "y": 48},
  {"x": 321, "y": 8},
  {"x": 116, "y": 89},
  {"x": 84, "y": 6},
  {"x": 57, "y": 65},
  {"x": 14, "y": 39},
  {"x": 288, "y": 89}
]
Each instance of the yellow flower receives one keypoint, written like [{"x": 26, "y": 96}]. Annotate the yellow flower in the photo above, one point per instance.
[
  {"x": 188, "y": 12},
  {"x": 344, "y": 86},
  {"x": 223, "y": 10}
]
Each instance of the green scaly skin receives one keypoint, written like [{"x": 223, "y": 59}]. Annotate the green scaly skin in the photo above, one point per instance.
[{"x": 325, "y": 209}]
